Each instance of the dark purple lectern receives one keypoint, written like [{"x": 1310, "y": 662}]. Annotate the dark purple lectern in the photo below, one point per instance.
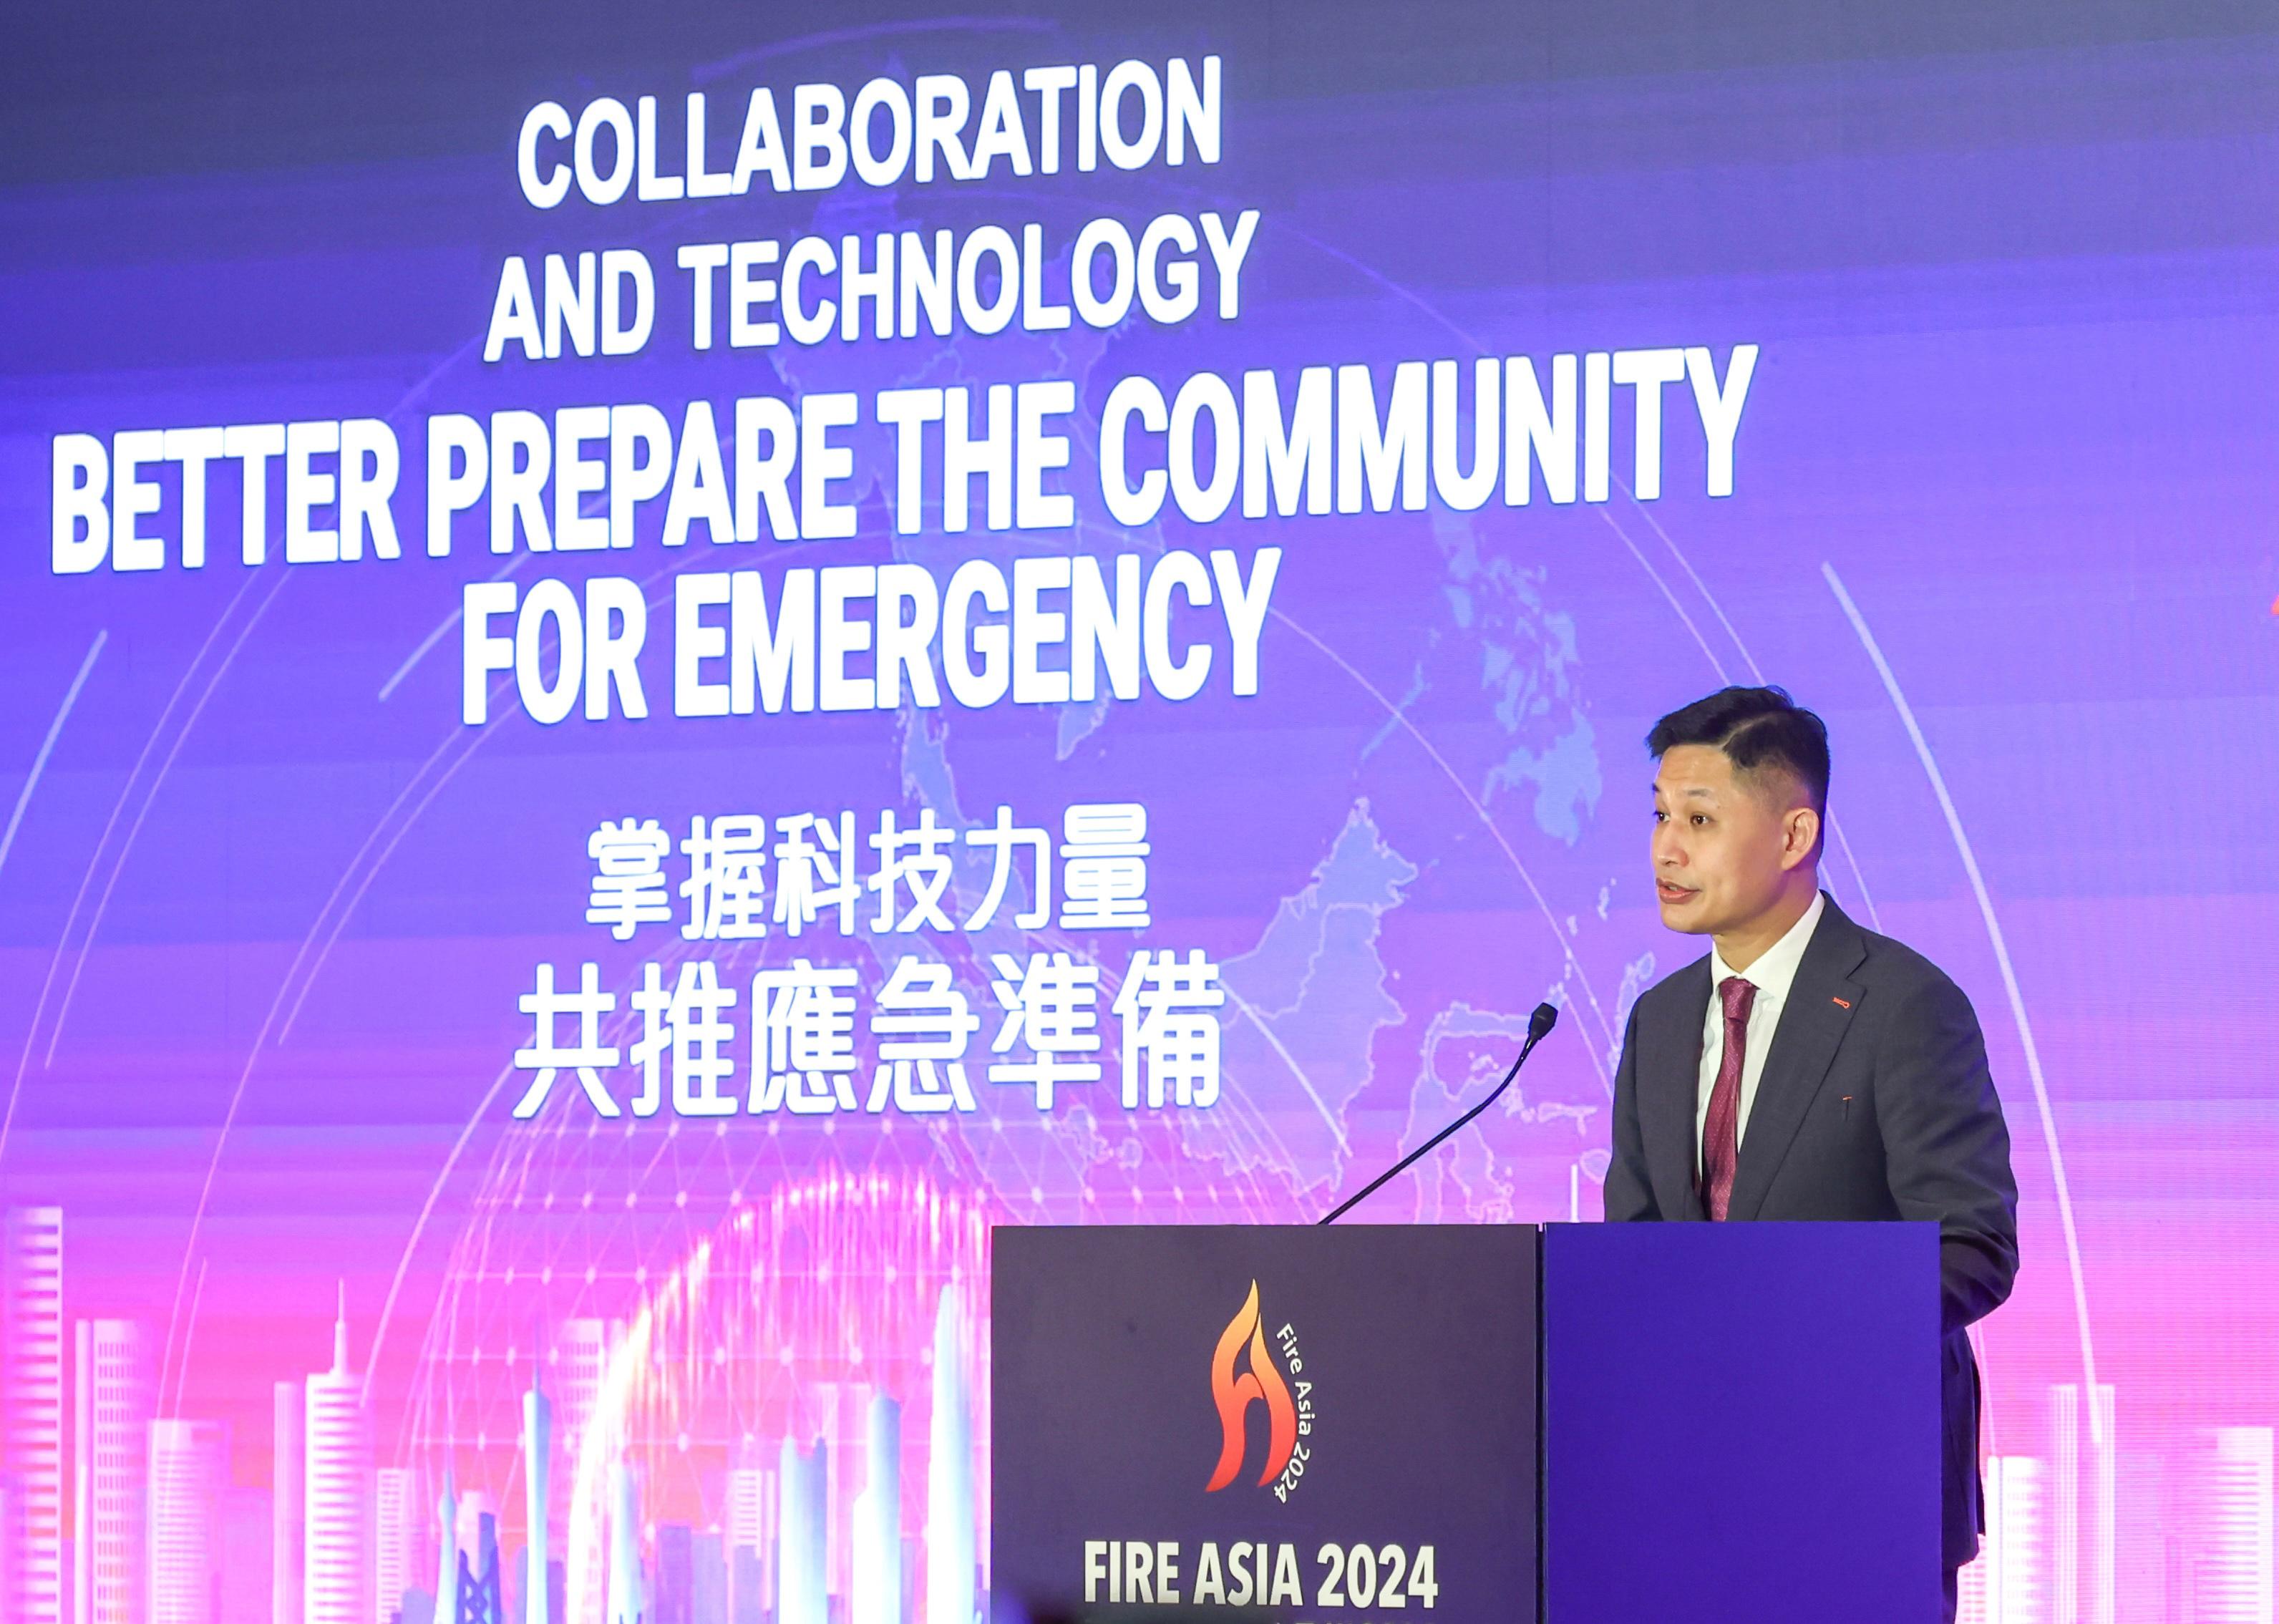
[{"x": 1579, "y": 1424}]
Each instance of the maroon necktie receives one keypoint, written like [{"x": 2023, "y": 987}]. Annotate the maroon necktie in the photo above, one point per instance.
[{"x": 1720, "y": 1129}]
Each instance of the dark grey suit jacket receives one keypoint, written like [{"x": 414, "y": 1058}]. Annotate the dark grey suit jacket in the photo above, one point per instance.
[{"x": 1875, "y": 1103}]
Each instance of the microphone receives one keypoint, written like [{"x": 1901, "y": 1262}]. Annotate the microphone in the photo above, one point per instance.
[{"x": 1538, "y": 1027}]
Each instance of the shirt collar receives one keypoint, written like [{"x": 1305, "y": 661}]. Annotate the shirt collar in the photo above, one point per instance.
[{"x": 1773, "y": 973}]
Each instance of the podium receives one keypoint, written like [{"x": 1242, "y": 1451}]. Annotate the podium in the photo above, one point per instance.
[{"x": 1445, "y": 1424}]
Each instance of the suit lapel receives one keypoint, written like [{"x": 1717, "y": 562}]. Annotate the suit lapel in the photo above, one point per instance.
[
  {"x": 1669, "y": 1082},
  {"x": 1812, "y": 1025}
]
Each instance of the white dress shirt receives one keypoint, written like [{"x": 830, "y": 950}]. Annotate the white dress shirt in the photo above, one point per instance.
[{"x": 1772, "y": 975}]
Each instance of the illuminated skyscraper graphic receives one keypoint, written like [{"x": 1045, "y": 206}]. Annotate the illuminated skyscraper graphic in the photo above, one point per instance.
[
  {"x": 337, "y": 1491},
  {"x": 628, "y": 1595},
  {"x": 2231, "y": 1525},
  {"x": 481, "y": 1593},
  {"x": 2082, "y": 1502},
  {"x": 581, "y": 1355},
  {"x": 188, "y": 1477},
  {"x": 803, "y": 1577},
  {"x": 289, "y": 1506},
  {"x": 708, "y": 1594},
  {"x": 749, "y": 1529},
  {"x": 782, "y": 1323},
  {"x": 112, "y": 1402},
  {"x": 11, "y": 1535},
  {"x": 474, "y": 1505},
  {"x": 839, "y": 1410},
  {"x": 1970, "y": 1591},
  {"x": 576, "y": 1529},
  {"x": 747, "y": 1589},
  {"x": 537, "y": 1468},
  {"x": 396, "y": 1523},
  {"x": 31, "y": 1356},
  {"x": 877, "y": 1590},
  {"x": 951, "y": 1540},
  {"x": 447, "y": 1546},
  {"x": 672, "y": 1598},
  {"x": 2013, "y": 1561}
]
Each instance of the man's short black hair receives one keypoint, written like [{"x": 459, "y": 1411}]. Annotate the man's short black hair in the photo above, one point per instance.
[{"x": 1756, "y": 728}]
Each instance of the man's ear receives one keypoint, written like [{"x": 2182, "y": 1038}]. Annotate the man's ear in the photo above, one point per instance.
[{"x": 1800, "y": 827}]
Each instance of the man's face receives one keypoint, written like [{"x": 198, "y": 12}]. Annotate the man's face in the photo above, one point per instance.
[{"x": 1724, "y": 845}]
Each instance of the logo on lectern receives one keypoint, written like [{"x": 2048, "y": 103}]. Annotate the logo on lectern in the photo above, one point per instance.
[{"x": 1261, "y": 1382}]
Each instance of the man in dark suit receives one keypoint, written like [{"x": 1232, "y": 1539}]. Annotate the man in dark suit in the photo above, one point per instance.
[{"x": 1808, "y": 1069}]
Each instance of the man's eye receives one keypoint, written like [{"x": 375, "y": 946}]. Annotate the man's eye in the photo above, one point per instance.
[{"x": 1701, "y": 818}]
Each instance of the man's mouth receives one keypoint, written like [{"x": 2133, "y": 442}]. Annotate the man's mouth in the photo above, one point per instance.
[{"x": 1668, "y": 892}]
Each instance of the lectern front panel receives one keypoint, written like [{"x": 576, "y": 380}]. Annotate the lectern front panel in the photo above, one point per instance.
[
  {"x": 1742, "y": 1424},
  {"x": 1274, "y": 1424}
]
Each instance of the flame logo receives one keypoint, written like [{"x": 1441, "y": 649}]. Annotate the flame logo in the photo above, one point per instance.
[{"x": 1234, "y": 1395}]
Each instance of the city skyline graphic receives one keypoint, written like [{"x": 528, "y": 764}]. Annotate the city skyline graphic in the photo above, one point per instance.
[
  {"x": 825, "y": 1471},
  {"x": 828, "y": 1471}
]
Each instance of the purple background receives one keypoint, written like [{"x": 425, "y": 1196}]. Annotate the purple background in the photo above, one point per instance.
[{"x": 264, "y": 916}]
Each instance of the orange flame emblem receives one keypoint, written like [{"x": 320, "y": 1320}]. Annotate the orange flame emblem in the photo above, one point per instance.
[{"x": 1234, "y": 1395}]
